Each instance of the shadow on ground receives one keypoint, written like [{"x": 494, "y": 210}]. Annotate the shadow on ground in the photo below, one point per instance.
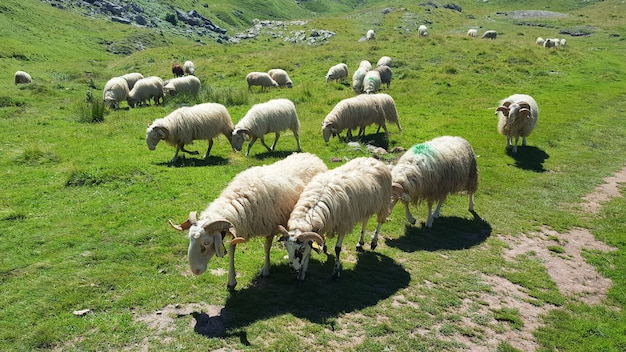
[{"x": 529, "y": 158}]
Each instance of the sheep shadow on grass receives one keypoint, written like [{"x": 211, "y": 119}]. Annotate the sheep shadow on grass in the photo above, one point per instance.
[
  {"x": 447, "y": 233},
  {"x": 183, "y": 161},
  {"x": 529, "y": 158},
  {"x": 318, "y": 299},
  {"x": 274, "y": 154}
]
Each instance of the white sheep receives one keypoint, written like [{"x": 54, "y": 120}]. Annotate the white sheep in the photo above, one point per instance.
[
  {"x": 490, "y": 34},
  {"x": 281, "y": 77},
  {"x": 254, "y": 204},
  {"x": 261, "y": 79},
  {"x": 337, "y": 72},
  {"x": 517, "y": 117},
  {"x": 370, "y": 35},
  {"x": 422, "y": 31},
  {"x": 189, "y": 123},
  {"x": 384, "y": 60},
  {"x": 132, "y": 78},
  {"x": 432, "y": 170},
  {"x": 366, "y": 65},
  {"x": 472, "y": 32},
  {"x": 189, "y": 68},
  {"x": 549, "y": 43},
  {"x": 275, "y": 115},
  {"x": 357, "y": 80},
  {"x": 372, "y": 81},
  {"x": 146, "y": 89},
  {"x": 540, "y": 41},
  {"x": 358, "y": 112},
  {"x": 385, "y": 74},
  {"x": 331, "y": 204},
  {"x": 182, "y": 85},
  {"x": 115, "y": 91},
  {"x": 22, "y": 77},
  {"x": 563, "y": 42}
]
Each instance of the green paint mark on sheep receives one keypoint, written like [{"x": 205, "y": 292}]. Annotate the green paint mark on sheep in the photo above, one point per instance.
[{"x": 421, "y": 149}]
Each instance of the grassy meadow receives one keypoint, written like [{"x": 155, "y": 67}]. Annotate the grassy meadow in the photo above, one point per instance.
[{"x": 84, "y": 205}]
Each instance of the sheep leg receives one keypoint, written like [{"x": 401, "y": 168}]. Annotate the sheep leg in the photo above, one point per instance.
[
  {"x": 408, "y": 214},
  {"x": 359, "y": 245},
  {"x": 515, "y": 145},
  {"x": 439, "y": 204},
  {"x": 265, "y": 145},
  {"x": 297, "y": 140},
  {"x": 429, "y": 220},
  {"x": 471, "y": 202},
  {"x": 275, "y": 141},
  {"x": 232, "y": 281},
  {"x": 266, "y": 265},
  {"x": 208, "y": 151},
  {"x": 374, "y": 242},
  {"x": 337, "y": 269},
  {"x": 175, "y": 155},
  {"x": 523, "y": 141},
  {"x": 250, "y": 144}
]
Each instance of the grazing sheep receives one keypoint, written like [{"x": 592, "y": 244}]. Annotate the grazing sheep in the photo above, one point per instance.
[
  {"x": 540, "y": 41},
  {"x": 281, "y": 77},
  {"x": 472, "y": 32},
  {"x": 115, "y": 91},
  {"x": 366, "y": 65},
  {"x": 385, "y": 74},
  {"x": 384, "y": 60},
  {"x": 254, "y": 204},
  {"x": 178, "y": 70},
  {"x": 358, "y": 112},
  {"x": 132, "y": 78},
  {"x": 357, "y": 80},
  {"x": 372, "y": 81},
  {"x": 189, "y": 123},
  {"x": 182, "y": 85},
  {"x": 490, "y": 34},
  {"x": 144, "y": 90},
  {"x": 337, "y": 72},
  {"x": 370, "y": 35},
  {"x": 275, "y": 116},
  {"x": 432, "y": 170},
  {"x": 331, "y": 204},
  {"x": 517, "y": 117},
  {"x": 261, "y": 79},
  {"x": 189, "y": 68},
  {"x": 549, "y": 43},
  {"x": 22, "y": 77},
  {"x": 422, "y": 31},
  {"x": 563, "y": 42}
]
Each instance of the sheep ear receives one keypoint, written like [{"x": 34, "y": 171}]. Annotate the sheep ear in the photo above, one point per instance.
[
  {"x": 220, "y": 250},
  {"x": 161, "y": 131},
  {"x": 242, "y": 131},
  {"x": 503, "y": 109}
]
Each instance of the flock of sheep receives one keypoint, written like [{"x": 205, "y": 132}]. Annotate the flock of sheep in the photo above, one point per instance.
[{"x": 299, "y": 197}]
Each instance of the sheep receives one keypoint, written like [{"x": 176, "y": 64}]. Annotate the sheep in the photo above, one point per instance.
[
  {"x": 370, "y": 35},
  {"x": 189, "y": 68},
  {"x": 432, "y": 170},
  {"x": 189, "y": 123},
  {"x": 178, "y": 70},
  {"x": 371, "y": 82},
  {"x": 490, "y": 34},
  {"x": 517, "y": 117},
  {"x": 260, "y": 79},
  {"x": 422, "y": 31},
  {"x": 364, "y": 64},
  {"x": 182, "y": 85},
  {"x": 384, "y": 60},
  {"x": 385, "y": 74},
  {"x": 22, "y": 77},
  {"x": 357, "y": 80},
  {"x": 146, "y": 89},
  {"x": 254, "y": 204},
  {"x": 337, "y": 72},
  {"x": 549, "y": 43},
  {"x": 563, "y": 42},
  {"x": 275, "y": 115},
  {"x": 115, "y": 91},
  {"x": 472, "y": 32},
  {"x": 331, "y": 204},
  {"x": 132, "y": 78},
  {"x": 540, "y": 41},
  {"x": 281, "y": 77},
  {"x": 358, "y": 112}
]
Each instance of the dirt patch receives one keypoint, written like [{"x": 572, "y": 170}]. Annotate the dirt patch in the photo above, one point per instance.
[{"x": 604, "y": 192}]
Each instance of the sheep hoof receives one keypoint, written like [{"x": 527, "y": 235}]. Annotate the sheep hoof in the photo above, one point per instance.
[
  {"x": 359, "y": 248},
  {"x": 373, "y": 245},
  {"x": 231, "y": 288}
]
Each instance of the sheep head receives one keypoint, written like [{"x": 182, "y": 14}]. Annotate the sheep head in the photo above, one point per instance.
[
  {"x": 205, "y": 240},
  {"x": 519, "y": 109},
  {"x": 154, "y": 134},
  {"x": 239, "y": 135},
  {"x": 299, "y": 245},
  {"x": 329, "y": 129}
]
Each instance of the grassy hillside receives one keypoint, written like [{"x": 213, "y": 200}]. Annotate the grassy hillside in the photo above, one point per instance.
[{"x": 84, "y": 206}]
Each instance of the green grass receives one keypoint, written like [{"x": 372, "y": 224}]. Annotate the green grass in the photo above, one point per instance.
[{"x": 84, "y": 206}]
